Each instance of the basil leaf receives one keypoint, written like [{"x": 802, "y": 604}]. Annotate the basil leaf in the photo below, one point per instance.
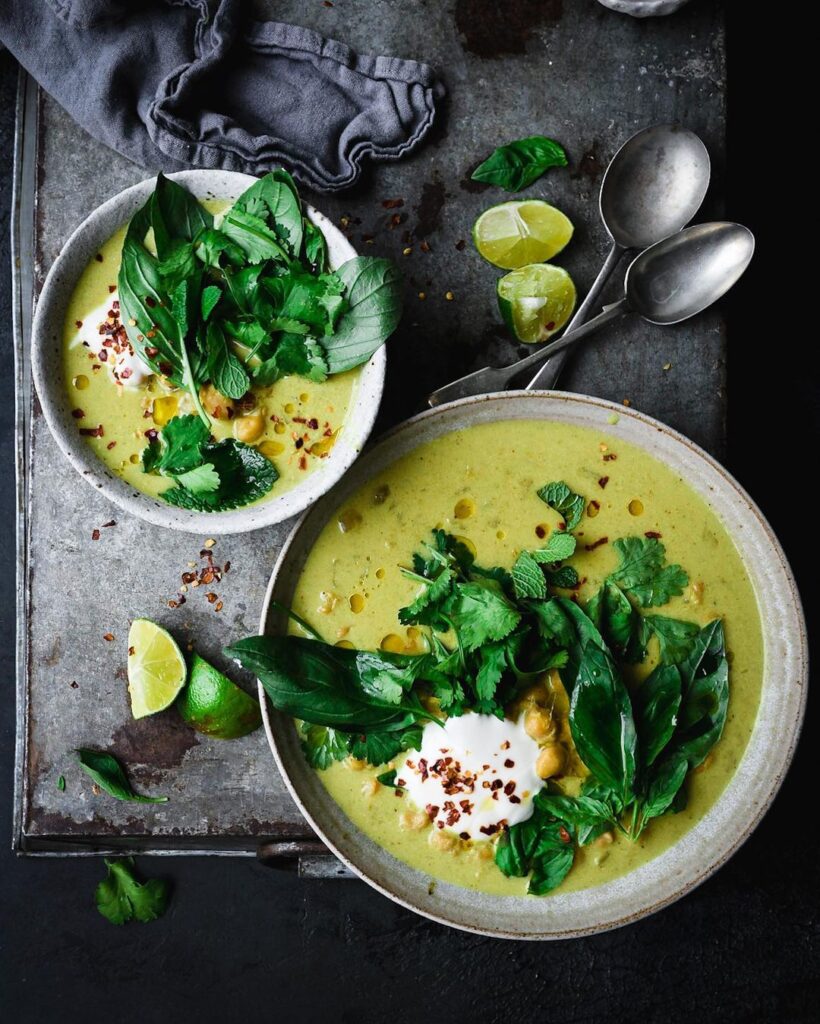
[
  {"x": 656, "y": 703},
  {"x": 331, "y": 686},
  {"x": 564, "y": 501},
  {"x": 110, "y": 776},
  {"x": 120, "y": 897},
  {"x": 314, "y": 247},
  {"x": 675, "y": 637},
  {"x": 580, "y": 812},
  {"x": 601, "y": 722},
  {"x": 373, "y": 292},
  {"x": 256, "y": 240},
  {"x": 176, "y": 215},
  {"x": 274, "y": 199},
  {"x": 665, "y": 783},
  {"x": 227, "y": 373},
  {"x": 518, "y": 164}
]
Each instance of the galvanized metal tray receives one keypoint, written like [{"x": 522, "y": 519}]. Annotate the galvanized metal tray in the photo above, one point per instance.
[{"x": 575, "y": 71}]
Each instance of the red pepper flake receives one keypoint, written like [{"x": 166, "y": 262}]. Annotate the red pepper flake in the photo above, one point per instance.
[
  {"x": 392, "y": 204},
  {"x": 313, "y": 423},
  {"x": 464, "y": 835},
  {"x": 151, "y": 351},
  {"x": 400, "y": 793},
  {"x": 564, "y": 835},
  {"x": 505, "y": 745},
  {"x": 226, "y": 567},
  {"x": 303, "y": 462},
  {"x": 126, "y": 373},
  {"x": 653, "y": 535},
  {"x": 108, "y": 637},
  {"x": 551, "y": 325},
  {"x": 78, "y": 324},
  {"x": 496, "y": 784},
  {"x": 111, "y": 288},
  {"x": 73, "y": 684},
  {"x": 461, "y": 245},
  {"x": 78, "y": 414},
  {"x": 211, "y": 597},
  {"x": 218, "y": 606},
  {"x": 151, "y": 434},
  {"x": 509, "y": 763},
  {"x": 92, "y": 431},
  {"x": 509, "y": 789},
  {"x": 540, "y": 532},
  {"x": 298, "y": 443},
  {"x": 603, "y": 481},
  {"x": 488, "y": 830},
  {"x": 99, "y": 257},
  {"x": 150, "y": 301},
  {"x": 173, "y": 604},
  {"x": 515, "y": 799},
  {"x": 327, "y": 3},
  {"x": 610, "y": 457},
  {"x": 95, "y": 534},
  {"x": 103, "y": 356},
  {"x": 595, "y": 504},
  {"x": 132, "y": 651},
  {"x": 432, "y": 811},
  {"x": 424, "y": 246},
  {"x": 597, "y": 543},
  {"x": 397, "y": 220},
  {"x": 111, "y": 444}
]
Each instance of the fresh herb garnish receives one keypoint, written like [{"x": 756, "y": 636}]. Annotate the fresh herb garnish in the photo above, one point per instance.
[
  {"x": 110, "y": 776},
  {"x": 564, "y": 501},
  {"x": 210, "y": 476},
  {"x": 518, "y": 164},
  {"x": 120, "y": 897},
  {"x": 643, "y": 574},
  {"x": 388, "y": 779},
  {"x": 61, "y": 783},
  {"x": 243, "y": 301}
]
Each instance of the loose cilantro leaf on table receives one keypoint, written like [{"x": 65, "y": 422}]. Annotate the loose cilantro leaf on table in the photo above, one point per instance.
[
  {"x": 120, "y": 897},
  {"x": 110, "y": 776},
  {"x": 518, "y": 164},
  {"x": 564, "y": 501}
]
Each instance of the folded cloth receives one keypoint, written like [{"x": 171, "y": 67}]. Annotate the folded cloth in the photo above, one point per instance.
[{"x": 198, "y": 83}]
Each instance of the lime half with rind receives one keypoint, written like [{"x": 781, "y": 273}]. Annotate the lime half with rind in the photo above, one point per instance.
[
  {"x": 156, "y": 668},
  {"x": 536, "y": 301},
  {"x": 522, "y": 231}
]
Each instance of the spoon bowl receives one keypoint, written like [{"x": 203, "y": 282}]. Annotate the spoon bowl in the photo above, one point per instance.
[
  {"x": 682, "y": 275},
  {"x": 654, "y": 185}
]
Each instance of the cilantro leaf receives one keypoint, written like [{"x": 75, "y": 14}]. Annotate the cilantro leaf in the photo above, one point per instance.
[
  {"x": 295, "y": 355},
  {"x": 643, "y": 574},
  {"x": 380, "y": 747},
  {"x": 120, "y": 897},
  {"x": 202, "y": 479},
  {"x": 425, "y": 607},
  {"x": 253, "y": 236},
  {"x": 480, "y": 613},
  {"x": 564, "y": 501},
  {"x": 178, "y": 447},
  {"x": 109, "y": 775},
  {"x": 245, "y": 475},
  {"x": 323, "y": 745},
  {"x": 490, "y": 670}
]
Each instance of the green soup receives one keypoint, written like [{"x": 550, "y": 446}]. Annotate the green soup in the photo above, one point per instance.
[
  {"x": 480, "y": 484},
  {"x": 293, "y": 422}
]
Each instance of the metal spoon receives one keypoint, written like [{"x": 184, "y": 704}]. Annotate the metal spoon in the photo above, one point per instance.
[
  {"x": 666, "y": 283},
  {"x": 653, "y": 187}
]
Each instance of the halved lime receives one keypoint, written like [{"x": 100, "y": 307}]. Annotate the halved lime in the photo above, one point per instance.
[
  {"x": 214, "y": 705},
  {"x": 156, "y": 668},
  {"x": 536, "y": 301},
  {"x": 511, "y": 235}
]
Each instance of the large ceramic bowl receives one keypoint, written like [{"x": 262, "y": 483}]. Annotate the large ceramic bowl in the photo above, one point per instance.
[
  {"x": 47, "y": 348},
  {"x": 716, "y": 836}
]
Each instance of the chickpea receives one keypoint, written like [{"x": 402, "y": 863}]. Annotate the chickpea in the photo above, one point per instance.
[
  {"x": 441, "y": 840},
  {"x": 216, "y": 404},
  {"x": 485, "y": 851},
  {"x": 538, "y": 724},
  {"x": 370, "y": 787},
  {"x": 355, "y": 764},
  {"x": 550, "y": 761},
  {"x": 414, "y": 820},
  {"x": 535, "y": 694},
  {"x": 604, "y": 840},
  {"x": 249, "y": 428}
]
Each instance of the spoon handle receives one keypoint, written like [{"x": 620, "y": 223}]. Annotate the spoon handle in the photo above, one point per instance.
[
  {"x": 498, "y": 378},
  {"x": 548, "y": 374}
]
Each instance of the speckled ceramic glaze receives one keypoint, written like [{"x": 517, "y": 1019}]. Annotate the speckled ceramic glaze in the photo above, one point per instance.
[
  {"x": 736, "y": 813},
  {"x": 644, "y": 8},
  {"x": 47, "y": 349}
]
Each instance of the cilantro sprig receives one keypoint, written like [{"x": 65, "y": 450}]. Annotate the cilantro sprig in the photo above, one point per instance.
[{"x": 120, "y": 897}]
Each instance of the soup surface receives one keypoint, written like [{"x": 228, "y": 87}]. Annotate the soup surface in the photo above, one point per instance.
[
  {"x": 298, "y": 420},
  {"x": 480, "y": 484}
]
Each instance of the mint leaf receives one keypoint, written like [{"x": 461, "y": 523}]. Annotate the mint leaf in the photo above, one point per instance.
[
  {"x": 528, "y": 577},
  {"x": 518, "y": 164},
  {"x": 110, "y": 776},
  {"x": 208, "y": 300},
  {"x": 564, "y": 501},
  {"x": 120, "y": 897},
  {"x": 559, "y": 546},
  {"x": 643, "y": 574}
]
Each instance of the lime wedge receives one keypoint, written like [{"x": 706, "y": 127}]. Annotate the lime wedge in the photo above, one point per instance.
[
  {"x": 156, "y": 668},
  {"x": 214, "y": 705},
  {"x": 511, "y": 235},
  {"x": 536, "y": 301}
]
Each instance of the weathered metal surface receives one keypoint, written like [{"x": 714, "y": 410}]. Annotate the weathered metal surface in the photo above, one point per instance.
[{"x": 572, "y": 70}]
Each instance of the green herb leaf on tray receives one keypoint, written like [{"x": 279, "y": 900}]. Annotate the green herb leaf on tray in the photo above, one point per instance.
[
  {"x": 564, "y": 501},
  {"x": 643, "y": 573},
  {"x": 518, "y": 164},
  {"x": 61, "y": 783},
  {"x": 120, "y": 897},
  {"x": 110, "y": 776}
]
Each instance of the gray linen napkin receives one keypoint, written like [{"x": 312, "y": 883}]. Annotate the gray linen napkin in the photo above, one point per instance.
[{"x": 199, "y": 83}]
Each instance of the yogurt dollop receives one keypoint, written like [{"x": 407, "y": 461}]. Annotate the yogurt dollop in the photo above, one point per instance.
[
  {"x": 104, "y": 335},
  {"x": 473, "y": 775}
]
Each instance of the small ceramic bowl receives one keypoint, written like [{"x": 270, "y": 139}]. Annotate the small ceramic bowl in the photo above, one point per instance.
[
  {"x": 47, "y": 354},
  {"x": 750, "y": 791}
]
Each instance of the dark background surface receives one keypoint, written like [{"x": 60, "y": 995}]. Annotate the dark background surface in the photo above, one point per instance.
[{"x": 241, "y": 938}]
